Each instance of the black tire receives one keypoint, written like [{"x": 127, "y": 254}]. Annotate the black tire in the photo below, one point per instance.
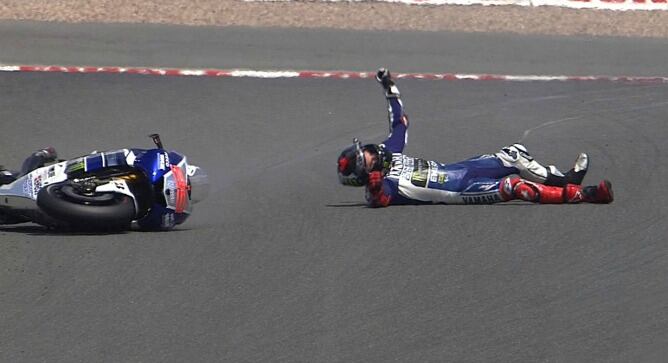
[{"x": 108, "y": 213}]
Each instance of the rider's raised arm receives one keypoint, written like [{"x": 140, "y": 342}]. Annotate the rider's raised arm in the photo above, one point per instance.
[{"x": 398, "y": 120}]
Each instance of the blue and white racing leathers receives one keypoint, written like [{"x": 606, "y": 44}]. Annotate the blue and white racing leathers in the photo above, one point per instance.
[{"x": 410, "y": 180}]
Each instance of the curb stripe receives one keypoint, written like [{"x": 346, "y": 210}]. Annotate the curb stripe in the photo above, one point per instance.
[{"x": 271, "y": 74}]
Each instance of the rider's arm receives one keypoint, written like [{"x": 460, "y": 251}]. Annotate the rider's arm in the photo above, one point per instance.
[
  {"x": 397, "y": 139},
  {"x": 398, "y": 120}
]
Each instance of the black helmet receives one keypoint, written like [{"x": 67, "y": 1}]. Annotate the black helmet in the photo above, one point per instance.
[{"x": 351, "y": 165}]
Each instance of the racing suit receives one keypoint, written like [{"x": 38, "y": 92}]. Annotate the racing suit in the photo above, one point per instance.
[{"x": 483, "y": 179}]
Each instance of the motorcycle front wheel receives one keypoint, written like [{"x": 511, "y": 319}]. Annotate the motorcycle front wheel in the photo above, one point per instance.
[{"x": 99, "y": 211}]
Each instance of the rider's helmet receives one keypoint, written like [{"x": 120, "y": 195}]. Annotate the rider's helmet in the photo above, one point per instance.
[{"x": 352, "y": 167}]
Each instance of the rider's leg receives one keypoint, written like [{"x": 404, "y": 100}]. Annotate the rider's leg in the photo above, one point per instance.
[
  {"x": 38, "y": 159},
  {"x": 518, "y": 157},
  {"x": 518, "y": 188}
]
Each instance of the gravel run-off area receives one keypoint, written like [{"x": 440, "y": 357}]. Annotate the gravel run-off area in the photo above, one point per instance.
[{"x": 346, "y": 15}]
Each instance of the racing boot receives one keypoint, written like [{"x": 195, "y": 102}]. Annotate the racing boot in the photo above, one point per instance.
[
  {"x": 573, "y": 176},
  {"x": 577, "y": 174},
  {"x": 39, "y": 159},
  {"x": 601, "y": 193}
]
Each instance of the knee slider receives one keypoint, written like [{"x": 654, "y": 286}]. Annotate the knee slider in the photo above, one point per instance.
[
  {"x": 526, "y": 191},
  {"x": 507, "y": 186},
  {"x": 518, "y": 188}
]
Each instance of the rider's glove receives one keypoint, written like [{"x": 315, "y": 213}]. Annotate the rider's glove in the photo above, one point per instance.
[
  {"x": 375, "y": 182},
  {"x": 384, "y": 77},
  {"x": 374, "y": 190}
]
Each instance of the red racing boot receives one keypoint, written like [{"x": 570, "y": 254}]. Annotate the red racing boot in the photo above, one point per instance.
[
  {"x": 572, "y": 193},
  {"x": 602, "y": 193},
  {"x": 517, "y": 188}
]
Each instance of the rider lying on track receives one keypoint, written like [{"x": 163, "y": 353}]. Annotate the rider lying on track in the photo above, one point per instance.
[{"x": 391, "y": 177}]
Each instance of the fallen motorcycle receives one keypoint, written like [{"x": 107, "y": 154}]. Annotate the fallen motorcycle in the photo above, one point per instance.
[{"x": 107, "y": 190}]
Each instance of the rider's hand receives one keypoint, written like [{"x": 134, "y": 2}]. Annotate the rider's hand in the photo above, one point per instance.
[
  {"x": 374, "y": 193},
  {"x": 375, "y": 181},
  {"x": 384, "y": 77}
]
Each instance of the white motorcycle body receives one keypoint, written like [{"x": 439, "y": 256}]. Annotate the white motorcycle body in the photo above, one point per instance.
[{"x": 19, "y": 199}]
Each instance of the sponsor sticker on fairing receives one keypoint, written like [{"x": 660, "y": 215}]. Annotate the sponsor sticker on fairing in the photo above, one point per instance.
[
  {"x": 27, "y": 187},
  {"x": 163, "y": 161},
  {"x": 36, "y": 184}
]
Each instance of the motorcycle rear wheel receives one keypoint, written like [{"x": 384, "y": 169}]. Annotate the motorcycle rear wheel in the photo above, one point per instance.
[{"x": 102, "y": 211}]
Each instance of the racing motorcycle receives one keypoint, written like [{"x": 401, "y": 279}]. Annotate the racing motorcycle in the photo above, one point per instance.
[{"x": 107, "y": 190}]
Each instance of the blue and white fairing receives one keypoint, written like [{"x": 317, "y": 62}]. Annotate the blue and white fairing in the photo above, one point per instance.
[{"x": 166, "y": 171}]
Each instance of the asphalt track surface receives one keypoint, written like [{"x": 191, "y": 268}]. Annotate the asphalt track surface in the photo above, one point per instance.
[
  {"x": 283, "y": 264},
  {"x": 144, "y": 45}
]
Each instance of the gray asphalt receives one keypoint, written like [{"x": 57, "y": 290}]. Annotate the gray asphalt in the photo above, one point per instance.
[
  {"x": 283, "y": 264},
  {"x": 238, "y": 47}
]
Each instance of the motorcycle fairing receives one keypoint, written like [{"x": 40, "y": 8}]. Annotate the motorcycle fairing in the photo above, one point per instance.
[
  {"x": 29, "y": 185},
  {"x": 166, "y": 171},
  {"x": 161, "y": 218},
  {"x": 98, "y": 160},
  {"x": 118, "y": 186}
]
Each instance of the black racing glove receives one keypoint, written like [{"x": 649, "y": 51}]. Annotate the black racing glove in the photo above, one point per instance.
[{"x": 384, "y": 77}]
